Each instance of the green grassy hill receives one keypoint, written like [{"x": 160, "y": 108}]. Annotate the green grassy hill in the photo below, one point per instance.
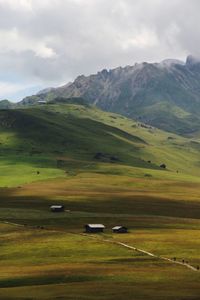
[{"x": 57, "y": 140}]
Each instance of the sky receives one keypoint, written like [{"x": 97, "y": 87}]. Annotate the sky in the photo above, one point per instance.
[{"x": 47, "y": 43}]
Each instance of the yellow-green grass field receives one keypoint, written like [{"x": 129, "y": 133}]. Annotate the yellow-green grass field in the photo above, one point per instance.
[
  {"x": 52, "y": 265},
  {"x": 58, "y": 262}
]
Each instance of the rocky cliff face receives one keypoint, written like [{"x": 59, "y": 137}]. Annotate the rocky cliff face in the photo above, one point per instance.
[{"x": 166, "y": 94}]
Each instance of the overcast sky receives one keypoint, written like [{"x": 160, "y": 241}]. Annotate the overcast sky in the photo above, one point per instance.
[{"x": 49, "y": 42}]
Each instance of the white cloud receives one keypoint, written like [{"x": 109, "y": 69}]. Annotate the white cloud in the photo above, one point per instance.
[
  {"x": 142, "y": 39},
  {"x": 18, "y": 4},
  {"x": 13, "y": 41},
  {"x": 52, "y": 41},
  {"x": 7, "y": 87},
  {"x": 10, "y": 89}
]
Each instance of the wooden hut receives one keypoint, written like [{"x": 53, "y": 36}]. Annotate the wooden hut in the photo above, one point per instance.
[
  {"x": 94, "y": 228},
  {"x": 120, "y": 229},
  {"x": 57, "y": 208}
]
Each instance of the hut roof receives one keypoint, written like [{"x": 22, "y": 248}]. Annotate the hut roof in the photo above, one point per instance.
[
  {"x": 118, "y": 227},
  {"x": 96, "y": 225},
  {"x": 57, "y": 206}
]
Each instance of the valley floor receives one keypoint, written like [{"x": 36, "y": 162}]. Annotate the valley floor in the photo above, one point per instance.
[{"x": 59, "y": 262}]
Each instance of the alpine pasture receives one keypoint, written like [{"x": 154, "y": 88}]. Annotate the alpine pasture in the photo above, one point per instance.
[{"x": 104, "y": 168}]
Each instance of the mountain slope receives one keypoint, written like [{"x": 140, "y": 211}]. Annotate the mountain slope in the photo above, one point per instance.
[
  {"x": 165, "y": 95},
  {"x": 56, "y": 139}
]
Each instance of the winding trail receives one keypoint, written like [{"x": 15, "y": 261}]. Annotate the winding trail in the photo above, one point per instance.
[{"x": 187, "y": 265}]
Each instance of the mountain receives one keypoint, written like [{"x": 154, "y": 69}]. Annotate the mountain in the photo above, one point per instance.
[
  {"x": 45, "y": 91},
  {"x": 165, "y": 95},
  {"x": 5, "y": 104}
]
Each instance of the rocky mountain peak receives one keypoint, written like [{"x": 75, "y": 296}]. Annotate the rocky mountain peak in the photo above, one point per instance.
[
  {"x": 170, "y": 62},
  {"x": 192, "y": 60}
]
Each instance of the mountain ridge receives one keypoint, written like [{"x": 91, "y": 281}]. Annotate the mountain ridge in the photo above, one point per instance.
[{"x": 165, "y": 95}]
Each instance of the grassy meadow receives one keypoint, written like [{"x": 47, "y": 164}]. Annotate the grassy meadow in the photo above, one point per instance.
[{"x": 47, "y": 156}]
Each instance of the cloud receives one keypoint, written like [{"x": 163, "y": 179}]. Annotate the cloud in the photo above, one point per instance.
[
  {"x": 49, "y": 42},
  {"x": 17, "y": 4},
  {"x": 16, "y": 90},
  {"x": 14, "y": 41}
]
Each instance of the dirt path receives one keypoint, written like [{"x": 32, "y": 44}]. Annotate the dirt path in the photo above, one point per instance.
[
  {"x": 187, "y": 265},
  {"x": 159, "y": 257},
  {"x": 13, "y": 224}
]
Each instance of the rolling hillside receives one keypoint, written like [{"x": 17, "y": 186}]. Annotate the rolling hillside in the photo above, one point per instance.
[{"x": 61, "y": 139}]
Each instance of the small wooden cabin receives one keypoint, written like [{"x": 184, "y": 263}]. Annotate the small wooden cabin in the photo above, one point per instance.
[
  {"x": 94, "y": 228},
  {"x": 57, "y": 208},
  {"x": 120, "y": 229}
]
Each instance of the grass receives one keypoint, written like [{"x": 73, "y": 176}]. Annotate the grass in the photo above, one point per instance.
[
  {"x": 70, "y": 266},
  {"x": 161, "y": 208},
  {"x": 62, "y": 263},
  {"x": 38, "y": 137},
  {"x": 23, "y": 169}
]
